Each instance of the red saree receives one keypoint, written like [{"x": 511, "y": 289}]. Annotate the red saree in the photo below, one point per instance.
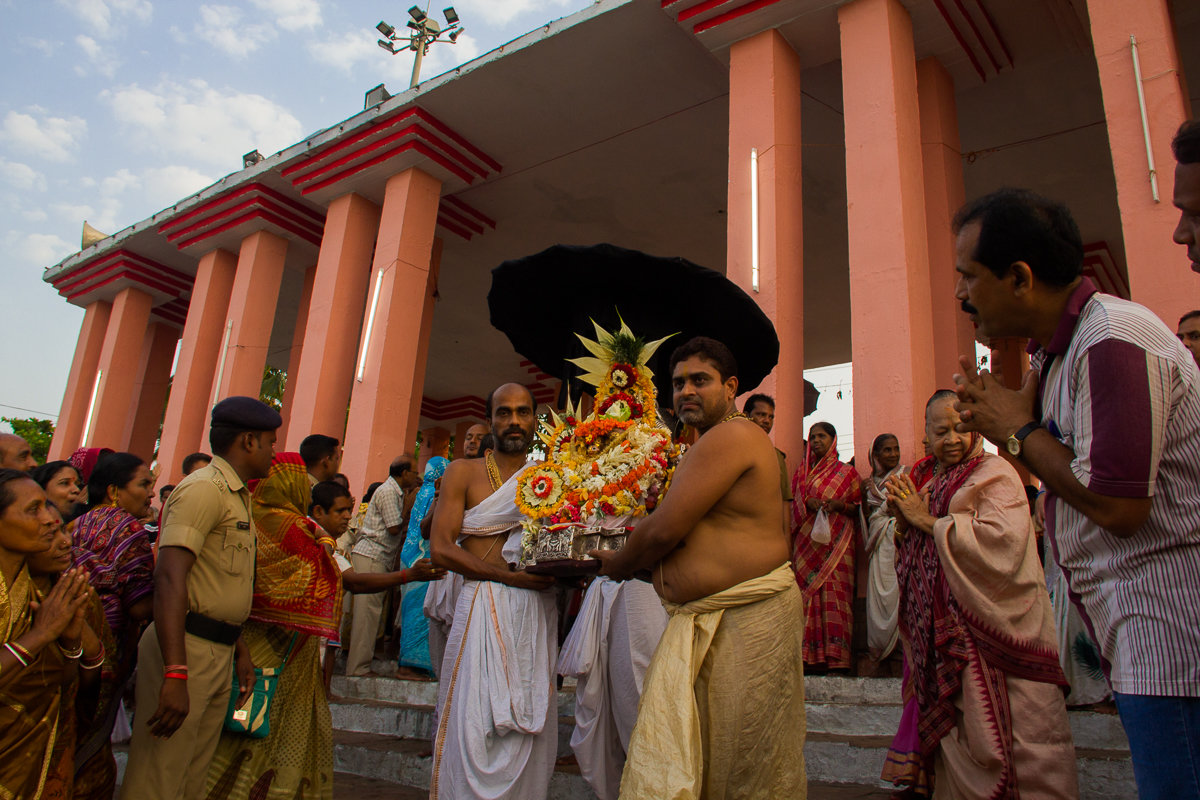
[{"x": 825, "y": 572}]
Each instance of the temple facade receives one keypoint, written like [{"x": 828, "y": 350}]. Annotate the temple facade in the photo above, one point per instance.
[{"x": 813, "y": 151}]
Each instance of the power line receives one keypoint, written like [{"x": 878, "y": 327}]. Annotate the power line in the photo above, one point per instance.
[{"x": 29, "y": 411}]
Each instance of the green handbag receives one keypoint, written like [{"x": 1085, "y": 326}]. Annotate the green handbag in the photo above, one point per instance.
[{"x": 254, "y": 718}]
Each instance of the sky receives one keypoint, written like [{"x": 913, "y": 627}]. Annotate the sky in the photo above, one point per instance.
[{"x": 111, "y": 110}]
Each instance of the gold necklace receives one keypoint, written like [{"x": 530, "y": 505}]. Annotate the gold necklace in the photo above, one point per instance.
[
  {"x": 735, "y": 415},
  {"x": 493, "y": 471}
]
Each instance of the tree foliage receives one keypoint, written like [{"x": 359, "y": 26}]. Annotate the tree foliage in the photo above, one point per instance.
[
  {"x": 38, "y": 432},
  {"x": 273, "y": 384}
]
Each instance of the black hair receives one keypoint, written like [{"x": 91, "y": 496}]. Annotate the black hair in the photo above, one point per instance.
[
  {"x": 49, "y": 471},
  {"x": 880, "y": 439},
  {"x": 1186, "y": 144},
  {"x": 710, "y": 350},
  {"x": 371, "y": 491},
  {"x": 7, "y": 495},
  {"x": 940, "y": 394},
  {"x": 401, "y": 465},
  {"x": 170, "y": 487},
  {"x": 487, "y": 404},
  {"x": 221, "y": 438},
  {"x": 825, "y": 426},
  {"x": 755, "y": 399},
  {"x": 113, "y": 469},
  {"x": 342, "y": 479},
  {"x": 190, "y": 461},
  {"x": 488, "y": 442},
  {"x": 316, "y": 447},
  {"x": 325, "y": 494},
  {"x": 1018, "y": 225},
  {"x": 1189, "y": 315}
]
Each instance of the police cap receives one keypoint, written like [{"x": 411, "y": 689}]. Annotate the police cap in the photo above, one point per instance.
[{"x": 245, "y": 414}]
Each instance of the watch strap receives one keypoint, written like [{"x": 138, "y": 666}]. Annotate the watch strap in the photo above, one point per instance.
[{"x": 1025, "y": 430}]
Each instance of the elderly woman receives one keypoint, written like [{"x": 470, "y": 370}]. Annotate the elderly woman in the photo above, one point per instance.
[
  {"x": 40, "y": 634},
  {"x": 79, "y": 678},
  {"x": 879, "y": 544},
  {"x": 111, "y": 545},
  {"x": 298, "y": 583},
  {"x": 977, "y": 625},
  {"x": 825, "y": 519}
]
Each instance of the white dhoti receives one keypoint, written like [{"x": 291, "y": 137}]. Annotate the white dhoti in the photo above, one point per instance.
[
  {"x": 440, "y": 601},
  {"x": 497, "y": 734},
  {"x": 609, "y": 649}
]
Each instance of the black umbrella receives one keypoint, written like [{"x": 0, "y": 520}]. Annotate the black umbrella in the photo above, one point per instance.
[{"x": 541, "y": 301}]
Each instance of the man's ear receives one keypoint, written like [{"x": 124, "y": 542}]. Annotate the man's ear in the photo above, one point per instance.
[{"x": 1022, "y": 277}]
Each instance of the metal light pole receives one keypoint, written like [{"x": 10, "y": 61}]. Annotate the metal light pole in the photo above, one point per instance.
[{"x": 425, "y": 31}]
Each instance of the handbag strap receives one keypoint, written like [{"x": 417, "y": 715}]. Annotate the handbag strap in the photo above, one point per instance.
[{"x": 288, "y": 654}]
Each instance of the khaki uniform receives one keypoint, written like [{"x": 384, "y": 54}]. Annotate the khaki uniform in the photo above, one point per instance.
[{"x": 209, "y": 515}]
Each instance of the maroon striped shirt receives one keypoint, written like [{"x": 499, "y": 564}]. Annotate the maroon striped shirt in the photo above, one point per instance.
[{"x": 1121, "y": 391}]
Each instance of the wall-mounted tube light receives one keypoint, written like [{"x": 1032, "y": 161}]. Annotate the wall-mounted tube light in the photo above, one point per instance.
[
  {"x": 754, "y": 218},
  {"x": 87, "y": 421},
  {"x": 221, "y": 362},
  {"x": 366, "y": 342}
]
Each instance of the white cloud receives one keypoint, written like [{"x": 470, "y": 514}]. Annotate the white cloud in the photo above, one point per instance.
[
  {"x": 197, "y": 121},
  {"x": 502, "y": 12},
  {"x": 166, "y": 185},
  {"x": 51, "y": 138},
  {"x": 293, "y": 15},
  {"x": 21, "y": 176},
  {"x": 44, "y": 46},
  {"x": 37, "y": 249},
  {"x": 35, "y": 215},
  {"x": 344, "y": 51},
  {"x": 104, "y": 18},
  {"x": 222, "y": 27},
  {"x": 103, "y": 216},
  {"x": 102, "y": 60},
  {"x": 117, "y": 183}
]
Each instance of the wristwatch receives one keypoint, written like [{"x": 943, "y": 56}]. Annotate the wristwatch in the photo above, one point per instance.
[{"x": 1015, "y": 442}]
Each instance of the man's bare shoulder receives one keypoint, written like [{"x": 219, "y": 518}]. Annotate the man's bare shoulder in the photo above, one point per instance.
[
  {"x": 463, "y": 469},
  {"x": 737, "y": 437}
]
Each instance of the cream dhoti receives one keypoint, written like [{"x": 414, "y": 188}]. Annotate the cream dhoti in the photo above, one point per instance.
[
  {"x": 608, "y": 650},
  {"x": 497, "y": 735},
  {"x": 722, "y": 711}
]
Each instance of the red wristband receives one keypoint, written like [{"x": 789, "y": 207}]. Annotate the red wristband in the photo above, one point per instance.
[{"x": 179, "y": 676}]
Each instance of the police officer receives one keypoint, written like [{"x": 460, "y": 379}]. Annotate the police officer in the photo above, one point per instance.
[{"x": 203, "y": 585}]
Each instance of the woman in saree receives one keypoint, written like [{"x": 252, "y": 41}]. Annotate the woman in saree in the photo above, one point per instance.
[
  {"x": 825, "y": 488},
  {"x": 40, "y": 637},
  {"x": 977, "y": 625},
  {"x": 879, "y": 544},
  {"x": 414, "y": 661},
  {"x": 61, "y": 482},
  {"x": 79, "y": 678},
  {"x": 297, "y": 600},
  {"x": 113, "y": 548}
]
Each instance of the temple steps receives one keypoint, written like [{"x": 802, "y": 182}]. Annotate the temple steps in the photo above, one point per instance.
[{"x": 382, "y": 729}]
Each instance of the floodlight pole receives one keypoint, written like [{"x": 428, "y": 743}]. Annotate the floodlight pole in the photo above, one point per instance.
[
  {"x": 420, "y": 45},
  {"x": 425, "y": 31}
]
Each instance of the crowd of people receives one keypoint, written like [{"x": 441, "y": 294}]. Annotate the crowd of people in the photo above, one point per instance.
[{"x": 1065, "y": 572}]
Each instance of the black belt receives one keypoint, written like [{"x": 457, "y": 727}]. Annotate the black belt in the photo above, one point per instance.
[{"x": 211, "y": 629}]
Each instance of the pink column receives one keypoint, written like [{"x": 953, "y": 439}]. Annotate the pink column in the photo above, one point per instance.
[
  {"x": 120, "y": 357},
  {"x": 941, "y": 156},
  {"x": 892, "y": 341},
  {"x": 154, "y": 378},
  {"x": 335, "y": 318},
  {"x": 435, "y": 441},
  {"x": 460, "y": 436},
  {"x": 764, "y": 117},
  {"x": 81, "y": 380},
  {"x": 1159, "y": 276},
  {"x": 190, "y": 400},
  {"x": 293, "y": 368},
  {"x": 252, "y": 314},
  {"x": 386, "y": 402}
]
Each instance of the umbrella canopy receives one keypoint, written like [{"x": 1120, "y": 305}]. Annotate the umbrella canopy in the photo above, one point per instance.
[{"x": 541, "y": 301}]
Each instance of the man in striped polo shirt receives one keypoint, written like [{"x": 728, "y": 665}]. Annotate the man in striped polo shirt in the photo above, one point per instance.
[
  {"x": 1186, "y": 147},
  {"x": 1109, "y": 419}
]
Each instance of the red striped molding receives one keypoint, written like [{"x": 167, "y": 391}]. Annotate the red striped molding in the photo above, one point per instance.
[
  {"x": 465, "y": 406},
  {"x": 462, "y": 219},
  {"x": 251, "y": 204},
  {"x": 1098, "y": 264},
  {"x": 410, "y": 130},
  {"x": 695, "y": 10},
  {"x": 173, "y": 311},
  {"x": 126, "y": 265}
]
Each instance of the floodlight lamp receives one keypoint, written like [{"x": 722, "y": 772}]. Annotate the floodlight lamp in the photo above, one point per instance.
[
  {"x": 432, "y": 26},
  {"x": 416, "y": 13},
  {"x": 386, "y": 45},
  {"x": 451, "y": 15},
  {"x": 385, "y": 29},
  {"x": 453, "y": 37},
  {"x": 413, "y": 25}
]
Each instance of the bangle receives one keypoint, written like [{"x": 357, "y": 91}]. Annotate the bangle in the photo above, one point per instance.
[
  {"x": 16, "y": 649},
  {"x": 93, "y": 663},
  {"x": 179, "y": 676},
  {"x": 329, "y": 540},
  {"x": 175, "y": 668},
  {"x": 75, "y": 654},
  {"x": 405, "y": 576}
]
